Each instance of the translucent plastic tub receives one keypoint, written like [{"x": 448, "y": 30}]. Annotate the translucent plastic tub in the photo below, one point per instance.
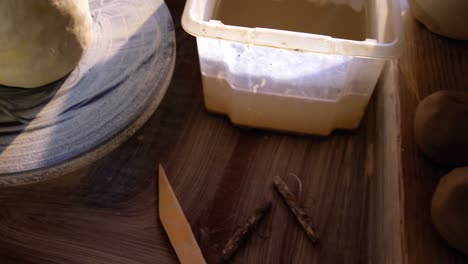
[{"x": 291, "y": 81}]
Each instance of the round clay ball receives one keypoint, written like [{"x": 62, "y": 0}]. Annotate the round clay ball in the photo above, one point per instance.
[
  {"x": 441, "y": 128},
  {"x": 450, "y": 209},
  {"x": 446, "y": 18},
  {"x": 41, "y": 41}
]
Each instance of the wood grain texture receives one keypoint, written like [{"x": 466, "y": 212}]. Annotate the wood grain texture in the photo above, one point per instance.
[
  {"x": 116, "y": 87},
  {"x": 429, "y": 63},
  {"x": 107, "y": 212}
]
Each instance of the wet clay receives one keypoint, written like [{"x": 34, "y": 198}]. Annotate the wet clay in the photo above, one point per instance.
[
  {"x": 335, "y": 20},
  {"x": 445, "y": 18},
  {"x": 450, "y": 208},
  {"x": 441, "y": 128}
]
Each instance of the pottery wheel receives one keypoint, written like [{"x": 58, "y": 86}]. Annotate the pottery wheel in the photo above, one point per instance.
[{"x": 118, "y": 84}]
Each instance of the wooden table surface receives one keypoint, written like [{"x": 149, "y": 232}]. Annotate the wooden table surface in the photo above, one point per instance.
[
  {"x": 107, "y": 212},
  {"x": 429, "y": 63}
]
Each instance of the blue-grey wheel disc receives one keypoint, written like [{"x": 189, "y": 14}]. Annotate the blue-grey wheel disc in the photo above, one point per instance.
[{"x": 120, "y": 81}]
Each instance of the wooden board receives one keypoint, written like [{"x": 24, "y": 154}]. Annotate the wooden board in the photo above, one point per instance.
[
  {"x": 107, "y": 212},
  {"x": 116, "y": 87},
  {"x": 429, "y": 63}
]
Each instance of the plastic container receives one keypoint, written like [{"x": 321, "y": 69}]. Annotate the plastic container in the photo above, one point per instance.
[{"x": 291, "y": 81}]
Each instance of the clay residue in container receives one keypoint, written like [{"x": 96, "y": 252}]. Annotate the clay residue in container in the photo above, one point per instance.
[{"x": 335, "y": 20}]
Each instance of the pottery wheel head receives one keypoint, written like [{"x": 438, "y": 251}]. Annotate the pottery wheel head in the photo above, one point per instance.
[{"x": 120, "y": 81}]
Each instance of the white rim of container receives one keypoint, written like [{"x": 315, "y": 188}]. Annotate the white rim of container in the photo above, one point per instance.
[{"x": 295, "y": 40}]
